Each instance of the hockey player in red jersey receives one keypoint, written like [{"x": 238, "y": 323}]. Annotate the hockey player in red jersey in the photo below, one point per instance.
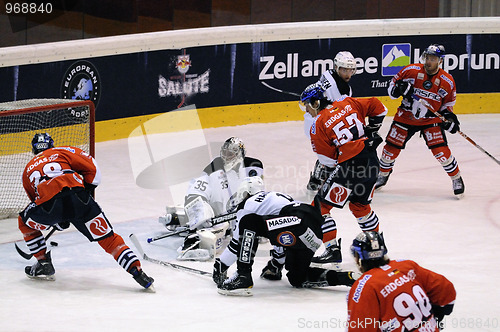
[
  {"x": 395, "y": 295},
  {"x": 58, "y": 181},
  {"x": 429, "y": 82},
  {"x": 335, "y": 83},
  {"x": 293, "y": 228},
  {"x": 347, "y": 148}
]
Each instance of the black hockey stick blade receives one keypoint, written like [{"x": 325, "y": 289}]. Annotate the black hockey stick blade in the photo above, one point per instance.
[
  {"x": 22, "y": 253},
  {"x": 28, "y": 256},
  {"x": 142, "y": 254}
]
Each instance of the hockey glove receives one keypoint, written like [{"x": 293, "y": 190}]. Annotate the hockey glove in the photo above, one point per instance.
[
  {"x": 220, "y": 272},
  {"x": 405, "y": 89},
  {"x": 439, "y": 312},
  {"x": 451, "y": 124},
  {"x": 272, "y": 271},
  {"x": 402, "y": 88},
  {"x": 90, "y": 188},
  {"x": 373, "y": 141}
]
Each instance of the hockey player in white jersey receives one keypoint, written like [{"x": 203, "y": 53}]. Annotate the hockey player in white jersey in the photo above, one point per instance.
[
  {"x": 335, "y": 83},
  {"x": 293, "y": 228},
  {"x": 208, "y": 196}
]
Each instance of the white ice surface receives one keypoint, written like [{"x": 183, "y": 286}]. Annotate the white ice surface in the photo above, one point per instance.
[{"x": 420, "y": 218}]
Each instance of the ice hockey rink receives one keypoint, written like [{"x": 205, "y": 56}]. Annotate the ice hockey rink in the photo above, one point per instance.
[{"x": 420, "y": 218}]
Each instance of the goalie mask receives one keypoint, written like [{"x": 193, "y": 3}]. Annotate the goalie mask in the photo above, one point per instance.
[
  {"x": 232, "y": 152},
  {"x": 41, "y": 142}
]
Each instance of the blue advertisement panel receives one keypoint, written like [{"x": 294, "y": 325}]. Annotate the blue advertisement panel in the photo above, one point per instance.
[{"x": 248, "y": 73}]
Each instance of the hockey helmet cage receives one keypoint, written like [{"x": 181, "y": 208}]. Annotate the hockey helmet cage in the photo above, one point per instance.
[
  {"x": 248, "y": 187},
  {"x": 344, "y": 59},
  {"x": 434, "y": 49},
  {"x": 232, "y": 152},
  {"x": 369, "y": 246},
  {"x": 41, "y": 142}
]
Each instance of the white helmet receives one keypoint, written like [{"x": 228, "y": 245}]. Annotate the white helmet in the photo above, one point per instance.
[
  {"x": 344, "y": 59},
  {"x": 232, "y": 152},
  {"x": 248, "y": 187}
]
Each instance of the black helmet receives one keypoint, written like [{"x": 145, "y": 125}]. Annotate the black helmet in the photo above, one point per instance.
[
  {"x": 41, "y": 142},
  {"x": 369, "y": 246}
]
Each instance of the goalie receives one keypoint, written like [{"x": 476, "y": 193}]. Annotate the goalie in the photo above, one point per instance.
[{"x": 208, "y": 196}]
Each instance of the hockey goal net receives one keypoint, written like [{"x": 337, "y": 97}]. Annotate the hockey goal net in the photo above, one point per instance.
[{"x": 69, "y": 122}]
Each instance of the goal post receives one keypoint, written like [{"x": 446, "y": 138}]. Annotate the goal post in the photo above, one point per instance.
[{"x": 69, "y": 123}]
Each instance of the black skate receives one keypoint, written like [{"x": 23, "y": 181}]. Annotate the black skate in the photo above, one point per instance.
[
  {"x": 458, "y": 187},
  {"x": 332, "y": 254},
  {"x": 238, "y": 285},
  {"x": 142, "y": 279},
  {"x": 382, "y": 180},
  {"x": 42, "y": 269}
]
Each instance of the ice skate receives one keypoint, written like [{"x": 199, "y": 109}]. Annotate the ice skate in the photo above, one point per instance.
[
  {"x": 143, "y": 279},
  {"x": 382, "y": 179},
  {"x": 332, "y": 254},
  {"x": 458, "y": 187},
  {"x": 42, "y": 269},
  {"x": 239, "y": 284}
]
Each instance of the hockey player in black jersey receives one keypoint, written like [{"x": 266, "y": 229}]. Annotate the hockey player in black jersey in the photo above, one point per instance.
[{"x": 293, "y": 228}]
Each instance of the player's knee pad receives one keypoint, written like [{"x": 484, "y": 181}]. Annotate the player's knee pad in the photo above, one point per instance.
[{"x": 442, "y": 154}]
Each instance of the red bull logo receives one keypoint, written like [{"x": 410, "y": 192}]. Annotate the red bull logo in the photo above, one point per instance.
[{"x": 183, "y": 63}]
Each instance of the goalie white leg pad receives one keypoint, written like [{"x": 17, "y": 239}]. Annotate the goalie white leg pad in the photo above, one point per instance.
[
  {"x": 201, "y": 255},
  {"x": 221, "y": 239},
  {"x": 200, "y": 248},
  {"x": 207, "y": 241}
]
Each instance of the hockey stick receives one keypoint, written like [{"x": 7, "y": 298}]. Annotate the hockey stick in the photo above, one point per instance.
[
  {"x": 279, "y": 90},
  {"x": 159, "y": 237},
  {"x": 442, "y": 118},
  {"x": 28, "y": 256},
  {"x": 214, "y": 221},
  {"x": 136, "y": 243}
]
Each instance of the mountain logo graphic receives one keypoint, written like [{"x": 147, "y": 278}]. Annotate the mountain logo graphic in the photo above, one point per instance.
[{"x": 394, "y": 58}]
